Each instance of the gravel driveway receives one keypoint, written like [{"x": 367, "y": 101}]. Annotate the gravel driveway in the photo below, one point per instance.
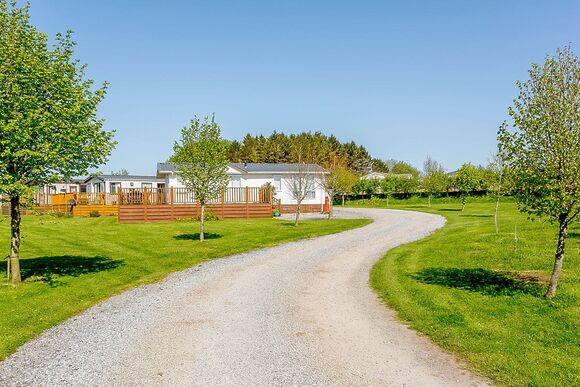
[{"x": 297, "y": 314}]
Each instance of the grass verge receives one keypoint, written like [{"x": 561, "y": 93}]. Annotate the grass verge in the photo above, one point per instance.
[
  {"x": 479, "y": 295},
  {"x": 69, "y": 264}
]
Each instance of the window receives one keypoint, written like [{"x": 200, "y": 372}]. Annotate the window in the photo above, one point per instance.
[
  {"x": 310, "y": 195},
  {"x": 114, "y": 187},
  {"x": 278, "y": 182},
  {"x": 235, "y": 181},
  {"x": 146, "y": 185},
  {"x": 73, "y": 189}
]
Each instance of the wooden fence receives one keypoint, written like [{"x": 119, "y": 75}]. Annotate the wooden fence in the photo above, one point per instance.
[{"x": 159, "y": 205}]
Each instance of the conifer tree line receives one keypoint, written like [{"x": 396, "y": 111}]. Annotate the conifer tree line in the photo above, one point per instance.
[
  {"x": 305, "y": 147},
  {"x": 328, "y": 151}
]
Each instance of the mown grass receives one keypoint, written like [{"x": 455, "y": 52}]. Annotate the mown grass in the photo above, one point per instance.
[
  {"x": 69, "y": 264},
  {"x": 479, "y": 295}
]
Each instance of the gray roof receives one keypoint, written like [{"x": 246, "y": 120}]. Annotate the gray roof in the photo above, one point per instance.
[
  {"x": 277, "y": 167},
  {"x": 125, "y": 178},
  {"x": 258, "y": 167}
]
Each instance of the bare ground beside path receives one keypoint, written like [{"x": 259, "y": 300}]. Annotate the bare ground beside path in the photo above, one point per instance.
[{"x": 297, "y": 314}]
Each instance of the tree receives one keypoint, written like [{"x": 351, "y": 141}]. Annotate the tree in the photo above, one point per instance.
[
  {"x": 201, "y": 161},
  {"x": 389, "y": 185},
  {"x": 338, "y": 181},
  {"x": 300, "y": 184},
  {"x": 467, "y": 180},
  {"x": 120, "y": 172},
  {"x": 543, "y": 147},
  {"x": 433, "y": 178},
  {"x": 48, "y": 125},
  {"x": 498, "y": 183}
]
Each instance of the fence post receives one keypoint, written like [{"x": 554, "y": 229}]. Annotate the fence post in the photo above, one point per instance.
[
  {"x": 171, "y": 202},
  {"x": 247, "y": 202},
  {"x": 223, "y": 202},
  {"x": 119, "y": 199},
  {"x": 145, "y": 200}
]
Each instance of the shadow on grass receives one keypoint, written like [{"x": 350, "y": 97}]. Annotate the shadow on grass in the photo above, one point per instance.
[
  {"x": 483, "y": 281},
  {"x": 45, "y": 269},
  {"x": 195, "y": 236},
  {"x": 574, "y": 235},
  {"x": 476, "y": 216},
  {"x": 449, "y": 209}
]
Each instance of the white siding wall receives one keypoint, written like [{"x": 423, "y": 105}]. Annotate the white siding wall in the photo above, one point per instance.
[
  {"x": 256, "y": 180},
  {"x": 91, "y": 184}
]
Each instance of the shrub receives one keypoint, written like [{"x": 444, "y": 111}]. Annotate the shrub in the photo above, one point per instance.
[
  {"x": 276, "y": 213},
  {"x": 208, "y": 216},
  {"x": 94, "y": 214}
]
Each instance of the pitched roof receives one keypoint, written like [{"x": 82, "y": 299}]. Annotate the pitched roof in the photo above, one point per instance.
[
  {"x": 277, "y": 167},
  {"x": 125, "y": 178},
  {"x": 258, "y": 167}
]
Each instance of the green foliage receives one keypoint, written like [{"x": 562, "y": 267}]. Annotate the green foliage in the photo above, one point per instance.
[
  {"x": 120, "y": 172},
  {"x": 201, "y": 159},
  {"x": 282, "y": 148},
  {"x": 366, "y": 186},
  {"x": 95, "y": 214},
  {"x": 467, "y": 179},
  {"x": 543, "y": 148},
  {"x": 48, "y": 124},
  {"x": 435, "y": 181}
]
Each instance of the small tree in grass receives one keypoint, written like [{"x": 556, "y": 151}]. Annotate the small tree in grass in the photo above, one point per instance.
[
  {"x": 498, "y": 183},
  {"x": 201, "y": 162},
  {"x": 48, "y": 125},
  {"x": 300, "y": 184},
  {"x": 543, "y": 148},
  {"x": 389, "y": 186},
  {"x": 434, "y": 178},
  {"x": 466, "y": 180},
  {"x": 338, "y": 181}
]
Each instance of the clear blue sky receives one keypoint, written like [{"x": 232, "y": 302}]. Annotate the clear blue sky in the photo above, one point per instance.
[{"x": 406, "y": 79}]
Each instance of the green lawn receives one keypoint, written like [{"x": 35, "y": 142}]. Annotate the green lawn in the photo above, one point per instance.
[
  {"x": 70, "y": 264},
  {"x": 468, "y": 290}
]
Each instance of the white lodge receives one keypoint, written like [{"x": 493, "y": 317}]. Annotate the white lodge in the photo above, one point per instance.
[{"x": 257, "y": 175}]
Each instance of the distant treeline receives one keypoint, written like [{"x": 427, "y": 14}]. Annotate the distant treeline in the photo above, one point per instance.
[
  {"x": 304, "y": 147},
  {"x": 312, "y": 147}
]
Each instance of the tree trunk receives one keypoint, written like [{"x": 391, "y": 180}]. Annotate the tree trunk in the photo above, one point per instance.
[
  {"x": 297, "y": 214},
  {"x": 343, "y": 199},
  {"x": 495, "y": 215},
  {"x": 330, "y": 208},
  {"x": 14, "y": 260},
  {"x": 463, "y": 202},
  {"x": 429, "y": 200},
  {"x": 201, "y": 222},
  {"x": 559, "y": 258},
  {"x": 387, "y": 200}
]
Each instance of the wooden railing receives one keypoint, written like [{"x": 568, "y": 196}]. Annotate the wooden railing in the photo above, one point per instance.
[
  {"x": 80, "y": 198},
  {"x": 230, "y": 195}
]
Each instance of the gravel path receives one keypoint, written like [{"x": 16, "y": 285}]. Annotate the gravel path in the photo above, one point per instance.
[{"x": 297, "y": 314}]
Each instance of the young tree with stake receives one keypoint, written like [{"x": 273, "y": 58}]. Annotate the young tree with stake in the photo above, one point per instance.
[
  {"x": 467, "y": 180},
  {"x": 201, "y": 159},
  {"x": 433, "y": 178},
  {"x": 542, "y": 149},
  {"x": 48, "y": 125}
]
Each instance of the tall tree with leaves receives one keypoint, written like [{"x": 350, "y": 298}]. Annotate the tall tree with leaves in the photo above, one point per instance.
[
  {"x": 201, "y": 159},
  {"x": 48, "y": 125},
  {"x": 543, "y": 147}
]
